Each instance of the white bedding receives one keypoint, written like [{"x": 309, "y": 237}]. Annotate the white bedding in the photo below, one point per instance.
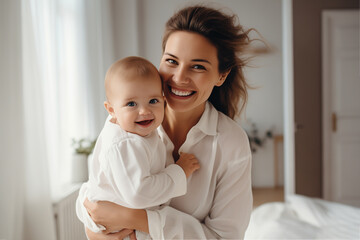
[{"x": 304, "y": 218}]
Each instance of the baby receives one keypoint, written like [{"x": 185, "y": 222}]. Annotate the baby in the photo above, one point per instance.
[{"x": 129, "y": 165}]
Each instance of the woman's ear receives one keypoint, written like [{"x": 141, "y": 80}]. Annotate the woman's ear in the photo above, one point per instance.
[
  {"x": 222, "y": 78},
  {"x": 109, "y": 108}
]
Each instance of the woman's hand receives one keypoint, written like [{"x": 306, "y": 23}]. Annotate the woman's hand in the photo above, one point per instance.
[
  {"x": 115, "y": 217},
  {"x": 111, "y": 236},
  {"x": 110, "y": 215}
]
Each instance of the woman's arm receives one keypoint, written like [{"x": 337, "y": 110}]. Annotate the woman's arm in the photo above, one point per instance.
[
  {"x": 114, "y": 217},
  {"x": 112, "y": 236}
]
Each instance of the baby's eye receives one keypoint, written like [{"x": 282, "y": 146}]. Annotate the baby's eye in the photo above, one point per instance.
[
  {"x": 200, "y": 67},
  {"x": 153, "y": 101},
  {"x": 131, "y": 104}
]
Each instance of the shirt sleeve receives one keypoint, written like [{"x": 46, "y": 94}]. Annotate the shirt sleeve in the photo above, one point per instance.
[
  {"x": 128, "y": 169},
  {"x": 228, "y": 217},
  {"x": 82, "y": 213}
]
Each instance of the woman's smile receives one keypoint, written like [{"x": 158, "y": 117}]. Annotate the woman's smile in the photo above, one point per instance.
[{"x": 180, "y": 92}]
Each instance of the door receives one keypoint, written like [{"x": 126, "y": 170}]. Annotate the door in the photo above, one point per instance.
[{"x": 341, "y": 106}]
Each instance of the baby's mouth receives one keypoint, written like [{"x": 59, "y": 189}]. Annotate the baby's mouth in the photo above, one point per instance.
[{"x": 145, "y": 122}]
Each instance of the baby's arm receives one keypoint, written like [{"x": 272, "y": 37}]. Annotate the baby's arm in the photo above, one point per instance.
[
  {"x": 128, "y": 168},
  {"x": 188, "y": 163}
]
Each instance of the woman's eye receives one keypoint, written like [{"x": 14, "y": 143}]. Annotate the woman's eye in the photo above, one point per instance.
[
  {"x": 200, "y": 67},
  {"x": 171, "y": 61},
  {"x": 153, "y": 101},
  {"x": 131, "y": 104}
]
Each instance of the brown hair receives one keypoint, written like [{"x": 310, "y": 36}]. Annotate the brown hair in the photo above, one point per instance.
[
  {"x": 230, "y": 39},
  {"x": 136, "y": 65}
]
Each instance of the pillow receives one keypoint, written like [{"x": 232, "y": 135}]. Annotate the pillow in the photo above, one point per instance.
[
  {"x": 277, "y": 221},
  {"x": 335, "y": 220}
]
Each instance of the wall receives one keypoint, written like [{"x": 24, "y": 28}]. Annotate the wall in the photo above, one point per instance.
[
  {"x": 142, "y": 36},
  {"x": 307, "y": 85},
  {"x": 11, "y": 124}
]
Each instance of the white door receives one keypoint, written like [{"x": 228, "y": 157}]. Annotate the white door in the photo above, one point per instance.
[{"x": 341, "y": 106}]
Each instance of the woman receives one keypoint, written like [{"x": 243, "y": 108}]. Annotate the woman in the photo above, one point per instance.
[{"x": 203, "y": 85}]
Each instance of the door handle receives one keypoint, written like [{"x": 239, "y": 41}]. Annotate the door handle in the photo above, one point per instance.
[
  {"x": 299, "y": 126},
  {"x": 334, "y": 121}
]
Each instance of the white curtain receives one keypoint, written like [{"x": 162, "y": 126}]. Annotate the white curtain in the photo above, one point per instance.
[
  {"x": 26, "y": 211},
  {"x": 52, "y": 66},
  {"x": 35, "y": 43},
  {"x": 75, "y": 88},
  {"x": 68, "y": 44}
]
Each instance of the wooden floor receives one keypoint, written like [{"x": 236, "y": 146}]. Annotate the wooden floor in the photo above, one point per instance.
[{"x": 264, "y": 195}]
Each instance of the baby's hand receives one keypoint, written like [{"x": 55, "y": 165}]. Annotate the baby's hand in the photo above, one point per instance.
[{"x": 188, "y": 163}]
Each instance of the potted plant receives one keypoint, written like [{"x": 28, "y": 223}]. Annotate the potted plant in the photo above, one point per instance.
[
  {"x": 255, "y": 140},
  {"x": 82, "y": 149}
]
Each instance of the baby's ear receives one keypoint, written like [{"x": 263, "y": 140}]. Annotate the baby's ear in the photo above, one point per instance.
[{"x": 109, "y": 108}]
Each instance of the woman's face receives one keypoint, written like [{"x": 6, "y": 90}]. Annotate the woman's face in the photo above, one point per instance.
[{"x": 189, "y": 69}]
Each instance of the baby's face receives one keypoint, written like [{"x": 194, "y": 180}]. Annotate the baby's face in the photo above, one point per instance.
[{"x": 139, "y": 104}]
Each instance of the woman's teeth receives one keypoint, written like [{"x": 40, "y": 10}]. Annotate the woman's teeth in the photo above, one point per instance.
[{"x": 181, "y": 93}]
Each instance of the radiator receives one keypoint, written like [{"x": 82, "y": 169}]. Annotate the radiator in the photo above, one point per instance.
[{"x": 68, "y": 226}]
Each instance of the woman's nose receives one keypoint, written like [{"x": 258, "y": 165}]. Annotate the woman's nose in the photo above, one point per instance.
[{"x": 181, "y": 76}]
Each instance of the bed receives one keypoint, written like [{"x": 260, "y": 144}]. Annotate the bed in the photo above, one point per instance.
[{"x": 304, "y": 218}]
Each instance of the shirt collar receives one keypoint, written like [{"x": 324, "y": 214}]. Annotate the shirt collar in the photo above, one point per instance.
[{"x": 208, "y": 121}]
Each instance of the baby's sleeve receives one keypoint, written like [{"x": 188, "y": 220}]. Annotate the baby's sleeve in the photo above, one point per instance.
[
  {"x": 129, "y": 174},
  {"x": 82, "y": 213}
]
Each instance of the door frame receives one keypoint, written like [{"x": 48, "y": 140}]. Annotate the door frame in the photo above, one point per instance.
[
  {"x": 326, "y": 103},
  {"x": 289, "y": 111},
  {"x": 328, "y": 17}
]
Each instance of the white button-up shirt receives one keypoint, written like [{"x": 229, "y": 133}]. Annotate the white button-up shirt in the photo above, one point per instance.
[
  {"x": 129, "y": 170},
  {"x": 218, "y": 201}
]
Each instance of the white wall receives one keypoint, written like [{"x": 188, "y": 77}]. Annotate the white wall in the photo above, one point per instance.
[{"x": 138, "y": 29}]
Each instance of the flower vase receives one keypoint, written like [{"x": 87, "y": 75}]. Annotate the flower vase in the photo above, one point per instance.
[{"x": 79, "y": 171}]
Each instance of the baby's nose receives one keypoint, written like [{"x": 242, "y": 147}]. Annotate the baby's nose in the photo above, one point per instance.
[{"x": 145, "y": 111}]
